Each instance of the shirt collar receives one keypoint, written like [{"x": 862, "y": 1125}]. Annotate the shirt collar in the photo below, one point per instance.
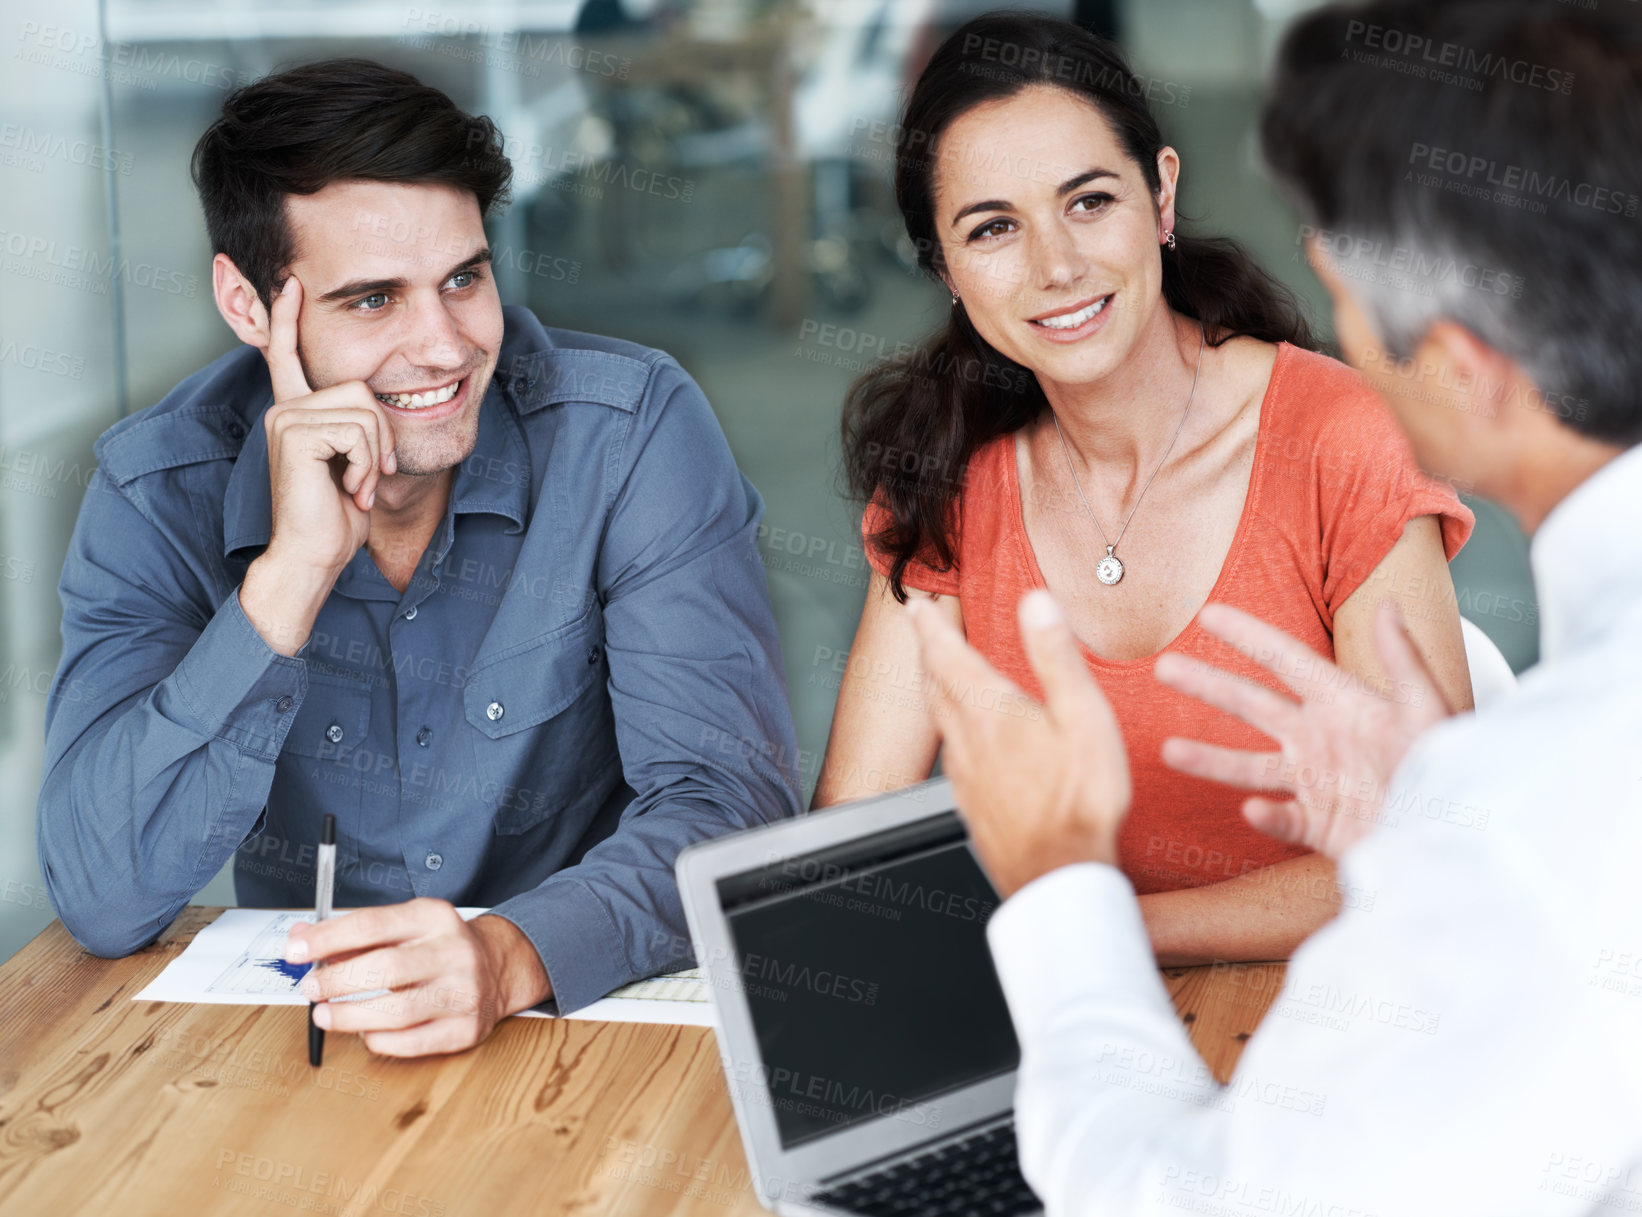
[
  {"x": 1587, "y": 558},
  {"x": 247, "y": 504},
  {"x": 495, "y": 478}
]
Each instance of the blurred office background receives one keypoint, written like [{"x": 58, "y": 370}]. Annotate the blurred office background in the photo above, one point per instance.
[{"x": 706, "y": 176}]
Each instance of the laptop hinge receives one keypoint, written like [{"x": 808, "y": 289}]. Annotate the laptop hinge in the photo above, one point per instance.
[{"x": 914, "y": 1151}]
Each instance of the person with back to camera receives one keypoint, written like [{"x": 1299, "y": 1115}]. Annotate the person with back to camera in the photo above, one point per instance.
[
  {"x": 1128, "y": 415},
  {"x": 1467, "y": 1045}
]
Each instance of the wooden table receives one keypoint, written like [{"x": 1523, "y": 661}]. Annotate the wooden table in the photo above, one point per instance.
[{"x": 110, "y": 1106}]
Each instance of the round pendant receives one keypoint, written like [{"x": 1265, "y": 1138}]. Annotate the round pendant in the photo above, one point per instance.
[{"x": 1109, "y": 570}]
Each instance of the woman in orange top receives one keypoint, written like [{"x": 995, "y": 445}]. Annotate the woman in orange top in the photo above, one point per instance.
[{"x": 1128, "y": 416}]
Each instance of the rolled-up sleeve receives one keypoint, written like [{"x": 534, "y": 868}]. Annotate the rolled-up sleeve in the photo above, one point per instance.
[
  {"x": 162, "y": 728},
  {"x": 698, "y": 693}
]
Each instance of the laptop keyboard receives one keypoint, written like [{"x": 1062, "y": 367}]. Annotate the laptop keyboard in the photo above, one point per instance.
[{"x": 976, "y": 1177}]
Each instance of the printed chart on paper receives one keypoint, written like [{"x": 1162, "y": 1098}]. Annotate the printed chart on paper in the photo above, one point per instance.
[{"x": 261, "y": 969}]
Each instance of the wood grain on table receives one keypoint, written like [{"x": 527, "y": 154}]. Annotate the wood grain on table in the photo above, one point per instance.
[{"x": 110, "y": 1106}]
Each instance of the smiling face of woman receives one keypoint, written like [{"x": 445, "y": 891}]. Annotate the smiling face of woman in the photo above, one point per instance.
[{"x": 1050, "y": 233}]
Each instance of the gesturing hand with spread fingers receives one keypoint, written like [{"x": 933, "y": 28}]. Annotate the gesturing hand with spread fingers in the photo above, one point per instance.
[
  {"x": 1040, "y": 786},
  {"x": 1338, "y": 745}
]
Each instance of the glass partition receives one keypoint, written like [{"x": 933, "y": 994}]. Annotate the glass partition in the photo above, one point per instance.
[{"x": 708, "y": 177}]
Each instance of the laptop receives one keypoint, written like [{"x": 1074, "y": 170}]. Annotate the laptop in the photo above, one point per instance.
[{"x": 865, "y": 1038}]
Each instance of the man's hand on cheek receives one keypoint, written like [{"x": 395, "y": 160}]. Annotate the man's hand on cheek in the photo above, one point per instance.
[
  {"x": 1040, "y": 787},
  {"x": 327, "y": 451},
  {"x": 450, "y": 981}
]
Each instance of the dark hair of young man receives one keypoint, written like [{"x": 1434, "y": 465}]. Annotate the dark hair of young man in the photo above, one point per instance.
[
  {"x": 337, "y": 120},
  {"x": 1481, "y": 161}
]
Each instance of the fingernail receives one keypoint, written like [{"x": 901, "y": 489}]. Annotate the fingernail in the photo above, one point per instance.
[
  {"x": 322, "y": 1016},
  {"x": 392, "y": 463},
  {"x": 370, "y": 500},
  {"x": 1039, "y": 610},
  {"x": 296, "y": 951},
  {"x": 285, "y": 288}
]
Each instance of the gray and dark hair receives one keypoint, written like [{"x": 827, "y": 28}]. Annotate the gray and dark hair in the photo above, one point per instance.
[{"x": 1480, "y": 161}]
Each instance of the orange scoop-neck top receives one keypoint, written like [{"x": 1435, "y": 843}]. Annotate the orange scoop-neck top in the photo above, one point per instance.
[{"x": 1332, "y": 484}]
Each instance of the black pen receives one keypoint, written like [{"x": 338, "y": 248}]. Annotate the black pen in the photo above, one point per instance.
[{"x": 322, "y": 909}]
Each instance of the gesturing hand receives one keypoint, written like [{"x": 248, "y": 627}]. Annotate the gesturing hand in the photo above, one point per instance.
[
  {"x": 326, "y": 452},
  {"x": 1040, "y": 787},
  {"x": 1339, "y": 744}
]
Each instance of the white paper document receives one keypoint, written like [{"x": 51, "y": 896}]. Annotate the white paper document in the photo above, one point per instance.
[{"x": 239, "y": 960}]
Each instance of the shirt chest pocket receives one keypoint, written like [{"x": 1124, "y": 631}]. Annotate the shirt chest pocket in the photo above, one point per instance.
[
  {"x": 326, "y": 763},
  {"x": 334, "y": 721},
  {"x": 545, "y": 737}
]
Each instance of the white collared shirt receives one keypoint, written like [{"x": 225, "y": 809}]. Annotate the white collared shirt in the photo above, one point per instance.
[{"x": 1464, "y": 1038}]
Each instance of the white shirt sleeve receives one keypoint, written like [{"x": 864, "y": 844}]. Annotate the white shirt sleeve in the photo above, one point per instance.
[
  {"x": 1110, "y": 1085},
  {"x": 1416, "y": 1061},
  {"x": 1465, "y": 1038}
]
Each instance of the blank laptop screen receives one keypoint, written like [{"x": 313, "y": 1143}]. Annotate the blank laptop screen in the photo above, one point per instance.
[{"x": 868, "y": 978}]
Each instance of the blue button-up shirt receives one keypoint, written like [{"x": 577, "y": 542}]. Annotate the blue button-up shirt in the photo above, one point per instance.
[{"x": 582, "y": 677}]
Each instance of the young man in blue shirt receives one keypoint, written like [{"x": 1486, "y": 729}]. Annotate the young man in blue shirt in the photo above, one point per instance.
[{"x": 488, "y": 592}]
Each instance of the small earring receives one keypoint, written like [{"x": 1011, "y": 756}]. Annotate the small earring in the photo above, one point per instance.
[
  {"x": 1169, "y": 240},
  {"x": 954, "y": 297}
]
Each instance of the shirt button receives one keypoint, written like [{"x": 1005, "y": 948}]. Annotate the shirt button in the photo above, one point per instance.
[
  {"x": 592, "y": 655},
  {"x": 433, "y": 862},
  {"x": 410, "y": 613},
  {"x": 283, "y": 705},
  {"x": 334, "y": 733},
  {"x": 423, "y": 736},
  {"x": 494, "y": 711}
]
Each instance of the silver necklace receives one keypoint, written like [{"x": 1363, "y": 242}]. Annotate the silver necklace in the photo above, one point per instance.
[{"x": 1109, "y": 569}]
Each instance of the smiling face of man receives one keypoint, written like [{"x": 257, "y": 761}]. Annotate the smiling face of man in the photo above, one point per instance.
[{"x": 397, "y": 292}]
